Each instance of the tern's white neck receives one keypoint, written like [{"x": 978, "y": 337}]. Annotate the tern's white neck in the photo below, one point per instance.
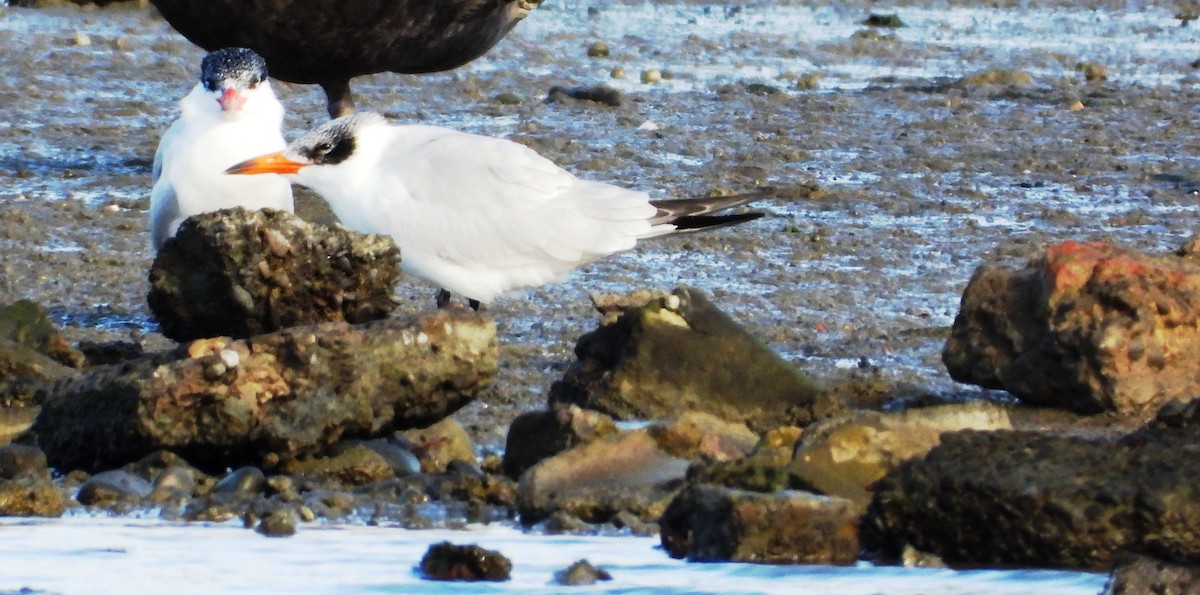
[{"x": 351, "y": 187}]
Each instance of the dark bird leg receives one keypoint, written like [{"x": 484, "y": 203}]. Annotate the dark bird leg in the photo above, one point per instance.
[
  {"x": 339, "y": 101},
  {"x": 443, "y": 300}
]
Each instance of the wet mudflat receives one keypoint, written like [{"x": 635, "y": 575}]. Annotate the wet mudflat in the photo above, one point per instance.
[{"x": 896, "y": 170}]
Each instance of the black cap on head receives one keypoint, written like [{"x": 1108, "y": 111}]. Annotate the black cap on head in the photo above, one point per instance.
[{"x": 241, "y": 65}]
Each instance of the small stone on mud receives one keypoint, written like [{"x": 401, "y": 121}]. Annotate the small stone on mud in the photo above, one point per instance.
[
  {"x": 651, "y": 76},
  {"x": 601, "y": 94},
  {"x": 82, "y": 40},
  {"x": 581, "y": 573},
  {"x": 618, "y": 72},
  {"x": 506, "y": 98},
  {"x": 446, "y": 561},
  {"x": 1093, "y": 72},
  {"x": 279, "y": 523},
  {"x": 890, "y": 21},
  {"x": 598, "y": 49}
]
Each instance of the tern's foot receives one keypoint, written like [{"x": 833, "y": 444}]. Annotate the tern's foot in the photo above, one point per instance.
[{"x": 443, "y": 300}]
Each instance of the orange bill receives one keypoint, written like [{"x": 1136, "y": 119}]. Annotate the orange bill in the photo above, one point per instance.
[{"x": 271, "y": 163}]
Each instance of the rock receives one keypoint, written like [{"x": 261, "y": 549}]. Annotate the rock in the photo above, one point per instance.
[
  {"x": 696, "y": 435},
  {"x": 997, "y": 77},
  {"x": 241, "y": 273},
  {"x": 19, "y": 459},
  {"x": 846, "y": 456},
  {"x": 31, "y": 496},
  {"x": 765, "y": 469},
  {"x": 244, "y": 481},
  {"x": 14, "y": 421},
  {"x": 635, "y": 472},
  {"x": 439, "y": 444},
  {"x": 581, "y": 573},
  {"x": 680, "y": 353},
  {"x": 180, "y": 481},
  {"x": 596, "y": 480},
  {"x": 598, "y": 49},
  {"x": 1093, "y": 72},
  {"x": 602, "y": 94},
  {"x": 448, "y": 562},
  {"x": 1086, "y": 326},
  {"x": 889, "y": 21},
  {"x": 26, "y": 323},
  {"x": 402, "y": 461},
  {"x": 1137, "y": 575},
  {"x": 21, "y": 361},
  {"x": 222, "y": 403},
  {"x": 110, "y": 488},
  {"x": 353, "y": 465},
  {"x": 708, "y": 523},
  {"x": 536, "y": 435},
  {"x": 278, "y": 523},
  {"x": 1027, "y": 499}
]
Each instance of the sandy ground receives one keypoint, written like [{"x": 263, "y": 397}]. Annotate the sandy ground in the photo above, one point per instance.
[{"x": 889, "y": 192}]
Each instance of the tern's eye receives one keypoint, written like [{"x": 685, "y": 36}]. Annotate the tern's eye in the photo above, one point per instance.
[{"x": 324, "y": 148}]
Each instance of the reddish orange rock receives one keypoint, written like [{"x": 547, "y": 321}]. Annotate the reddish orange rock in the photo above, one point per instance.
[{"x": 1086, "y": 326}]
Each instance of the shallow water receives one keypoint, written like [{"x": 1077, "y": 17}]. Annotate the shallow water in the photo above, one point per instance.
[
  {"x": 922, "y": 183},
  {"x": 84, "y": 554}
]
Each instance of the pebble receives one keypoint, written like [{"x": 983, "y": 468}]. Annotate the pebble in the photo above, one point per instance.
[
  {"x": 19, "y": 459},
  {"x": 247, "y": 480},
  {"x": 581, "y": 573},
  {"x": 111, "y": 487},
  {"x": 651, "y": 75}
]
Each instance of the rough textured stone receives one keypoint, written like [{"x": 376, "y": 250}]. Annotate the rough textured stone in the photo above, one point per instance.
[
  {"x": 14, "y": 421},
  {"x": 581, "y": 573},
  {"x": 680, "y": 353},
  {"x": 31, "y": 496},
  {"x": 1021, "y": 498},
  {"x": 355, "y": 464},
  {"x": 1141, "y": 575},
  {"x": 221, "y": 403},
  {"x": 845, "y": 456},
  {"x": 708, "y": 523},
  {"x": 439, "y": 444},
  {"x": 765, "y": 469},
  {"x": 20, "y": 459},
  {"x": 536, "y": 435},
  {"x": 241, "y": 273},
  {"x": 1086, "y": 326},
  {"x": 449, "y": 562},
  {"x": 26, "y": 323}
]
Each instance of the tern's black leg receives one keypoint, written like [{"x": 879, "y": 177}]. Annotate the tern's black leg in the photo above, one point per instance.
[
  {"x": 339, "y": 101},
  {"x": 442, "y": 298}
]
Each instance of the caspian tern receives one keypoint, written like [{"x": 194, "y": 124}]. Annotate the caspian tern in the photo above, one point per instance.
[
  {"x": 328, "y": 42},
  {"x": 477, "y": 215},
  {"x": 231, "y": 114}
]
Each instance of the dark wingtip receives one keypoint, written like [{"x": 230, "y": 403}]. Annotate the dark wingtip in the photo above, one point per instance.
[{"x": 699, "y": 222}]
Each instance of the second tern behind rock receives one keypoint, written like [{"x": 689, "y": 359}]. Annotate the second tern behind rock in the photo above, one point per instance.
[
  {"x": 231, "y": 114},
  {"x": 477, "y": 215}
]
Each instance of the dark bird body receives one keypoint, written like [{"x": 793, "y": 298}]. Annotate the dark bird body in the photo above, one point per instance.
[{"x": 328, "y": 42}]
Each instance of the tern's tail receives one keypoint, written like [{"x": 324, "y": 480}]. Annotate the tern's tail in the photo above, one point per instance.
[{"x": 694, "y": 214}]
